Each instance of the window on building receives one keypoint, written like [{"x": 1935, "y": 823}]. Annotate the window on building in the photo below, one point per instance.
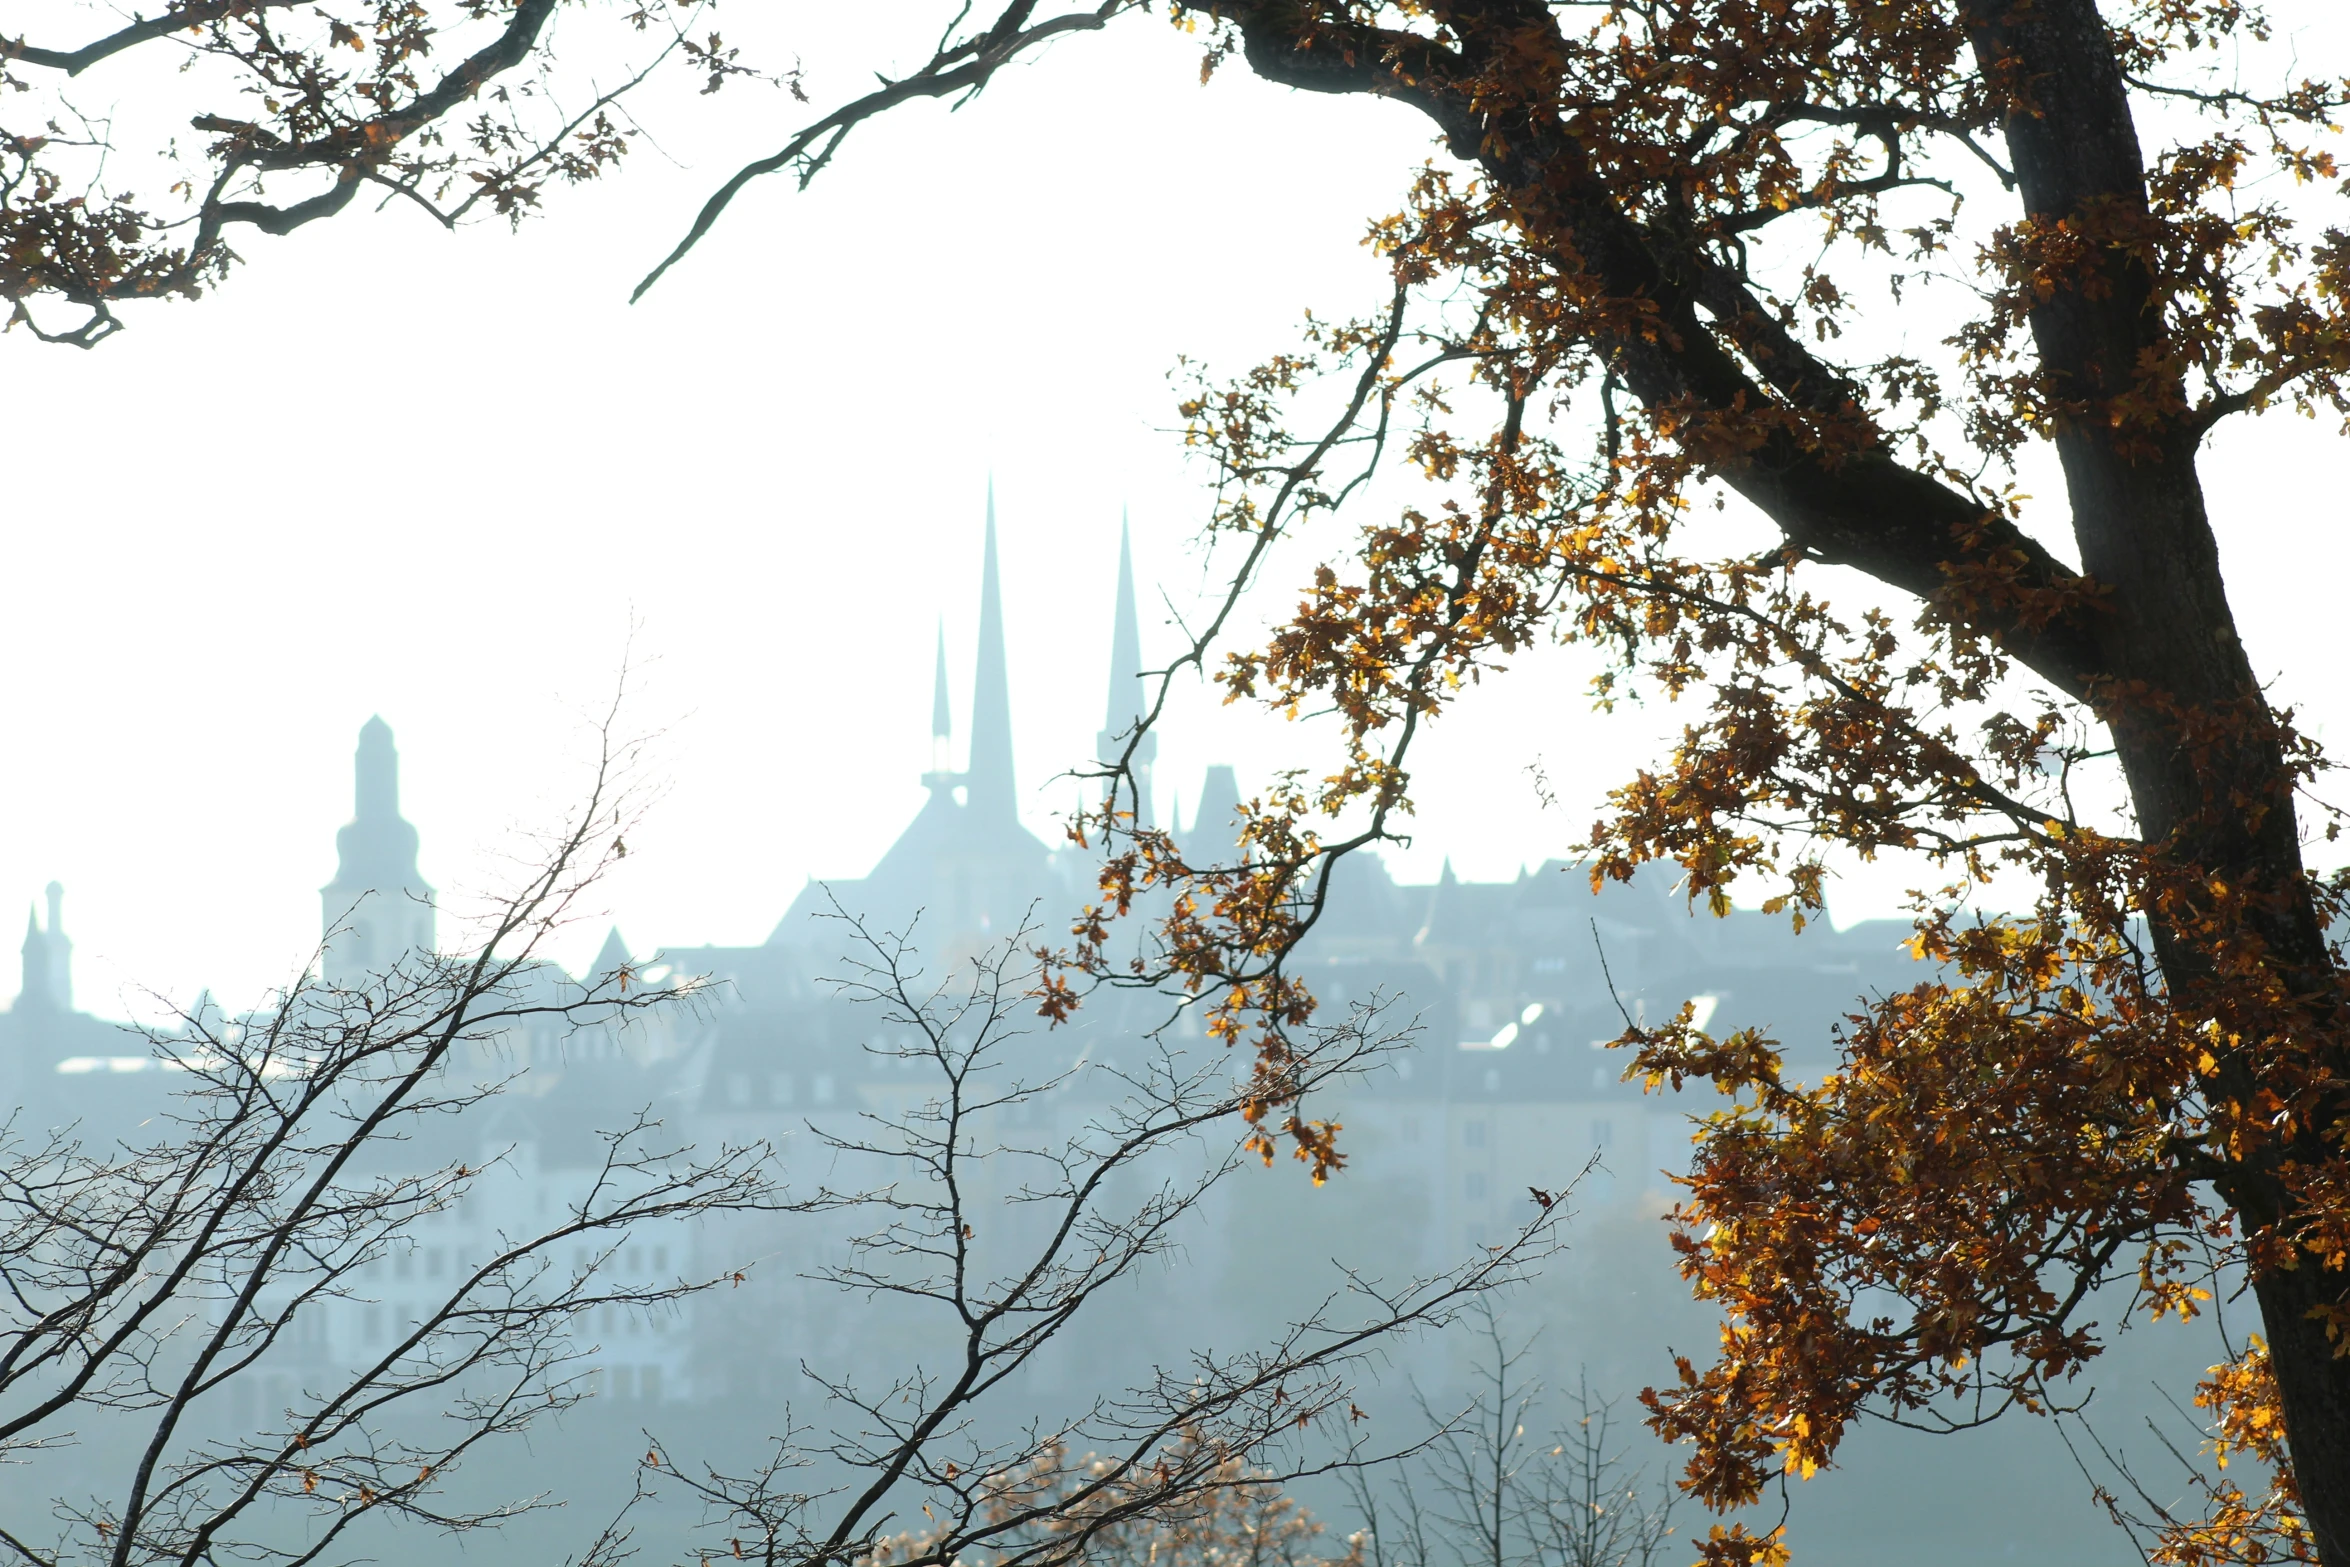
[
  {"x": 1473, "y": 1186},
  {"x": 648, "y": 1383},
  {"x": 371, "y": 1325},
  {"x": 436, "y": 1261},
  {"x": 824, "y": 1088},
  {"x": 1472, "y": 1134},
  {"x": 779, "y": 1088},
  {"x": 623, "y": 1384},
  {"x": 1602, "y": 1133},
  {"x": 404, "y": 1263},
  {"x": 738, "y": 1088}
]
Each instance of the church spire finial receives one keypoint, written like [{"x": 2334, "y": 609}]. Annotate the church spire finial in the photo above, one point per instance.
[
  {"x": 1127, "y": 696},
  {"x": 990, "y": 794}
]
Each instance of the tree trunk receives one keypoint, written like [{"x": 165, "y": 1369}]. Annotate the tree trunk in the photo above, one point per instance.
[
  {"x": 2315, "y": 1383},
  {"x": 2198, "y": 745}
]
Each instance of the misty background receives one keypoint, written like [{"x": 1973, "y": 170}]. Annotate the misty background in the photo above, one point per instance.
[{"x": 458, "y": 481}]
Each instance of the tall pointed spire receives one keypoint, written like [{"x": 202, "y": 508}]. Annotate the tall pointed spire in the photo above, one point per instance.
[
  {"x": 990, "y": 794},
  {"x": 1127, "y": 696}
]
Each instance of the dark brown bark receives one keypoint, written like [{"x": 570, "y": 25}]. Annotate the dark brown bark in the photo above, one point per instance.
[
  {"x": 2170, "y": 641},
  {"x": 2159, "y": 659}
]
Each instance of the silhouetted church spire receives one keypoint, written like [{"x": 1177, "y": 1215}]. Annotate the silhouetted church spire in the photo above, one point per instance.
[
  {"x": 942, "y": 713},
  {"x": 48, "y": 958},
  {"x": 1127, "y": 696},
  {"x": 34, "y": 996},
  {"x": 989, "y": 792}
]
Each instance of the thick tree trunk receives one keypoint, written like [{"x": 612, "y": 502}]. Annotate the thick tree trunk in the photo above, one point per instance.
[
  {"x": 2315, "y": 1383},
  {"x": 2198, "y": 745}
]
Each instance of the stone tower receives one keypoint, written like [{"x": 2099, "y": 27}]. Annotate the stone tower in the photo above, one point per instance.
[{"x": 378, "y": 908}]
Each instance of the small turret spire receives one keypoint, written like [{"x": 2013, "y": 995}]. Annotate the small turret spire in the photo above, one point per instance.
[
  {"x": 942, "y": 716},
  {"x": 1215, "y": 821},
  {"x": 942, "y": 723},
  {"x": 34, "y": 996},
  {"x": 60, "y": 950},
  {"x": 610, "y": 959},
  {"x": 990, "y": 794}
]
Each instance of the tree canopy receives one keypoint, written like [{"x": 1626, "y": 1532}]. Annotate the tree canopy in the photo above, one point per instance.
[{"x": 1654, "y": 266}]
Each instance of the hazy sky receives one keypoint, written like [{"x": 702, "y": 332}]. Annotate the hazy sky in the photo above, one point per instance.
[{"x": 441, "y": 478}]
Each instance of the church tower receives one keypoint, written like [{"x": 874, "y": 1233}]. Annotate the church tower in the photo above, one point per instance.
[
  {"x": 1129, "y": 698},
  {"x": 378, "y": 908}
]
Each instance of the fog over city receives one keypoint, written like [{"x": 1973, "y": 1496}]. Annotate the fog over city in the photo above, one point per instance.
[{"x": 552, "y": 830}]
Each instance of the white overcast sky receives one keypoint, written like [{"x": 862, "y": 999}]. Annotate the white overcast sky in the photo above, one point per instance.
[{"x": 441, "y": 478}]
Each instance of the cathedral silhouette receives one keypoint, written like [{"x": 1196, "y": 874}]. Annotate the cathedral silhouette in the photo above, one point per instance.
[{"x": 1516, "y": 987}]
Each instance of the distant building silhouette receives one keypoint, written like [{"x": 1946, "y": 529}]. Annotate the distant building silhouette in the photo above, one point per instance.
[
  {"x": 1515, "y": 987},
  {"x": 965, "y": 865},
  {"x": 378, "y": 908}
]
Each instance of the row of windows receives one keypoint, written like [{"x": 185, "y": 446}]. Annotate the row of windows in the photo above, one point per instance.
[
  {"x": 378, "y": 1319},
  {"x": 434, "y": 1262},
  {"x": 626, "y": 1382},
  {"x": 781, "y": 1089},
  {"x": 1473, "y": 1133},
  {"x": 1599, "y": 1183}
]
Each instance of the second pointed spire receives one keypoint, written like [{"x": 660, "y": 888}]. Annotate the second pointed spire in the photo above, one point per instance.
[{"x": 990, "y": 793}]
